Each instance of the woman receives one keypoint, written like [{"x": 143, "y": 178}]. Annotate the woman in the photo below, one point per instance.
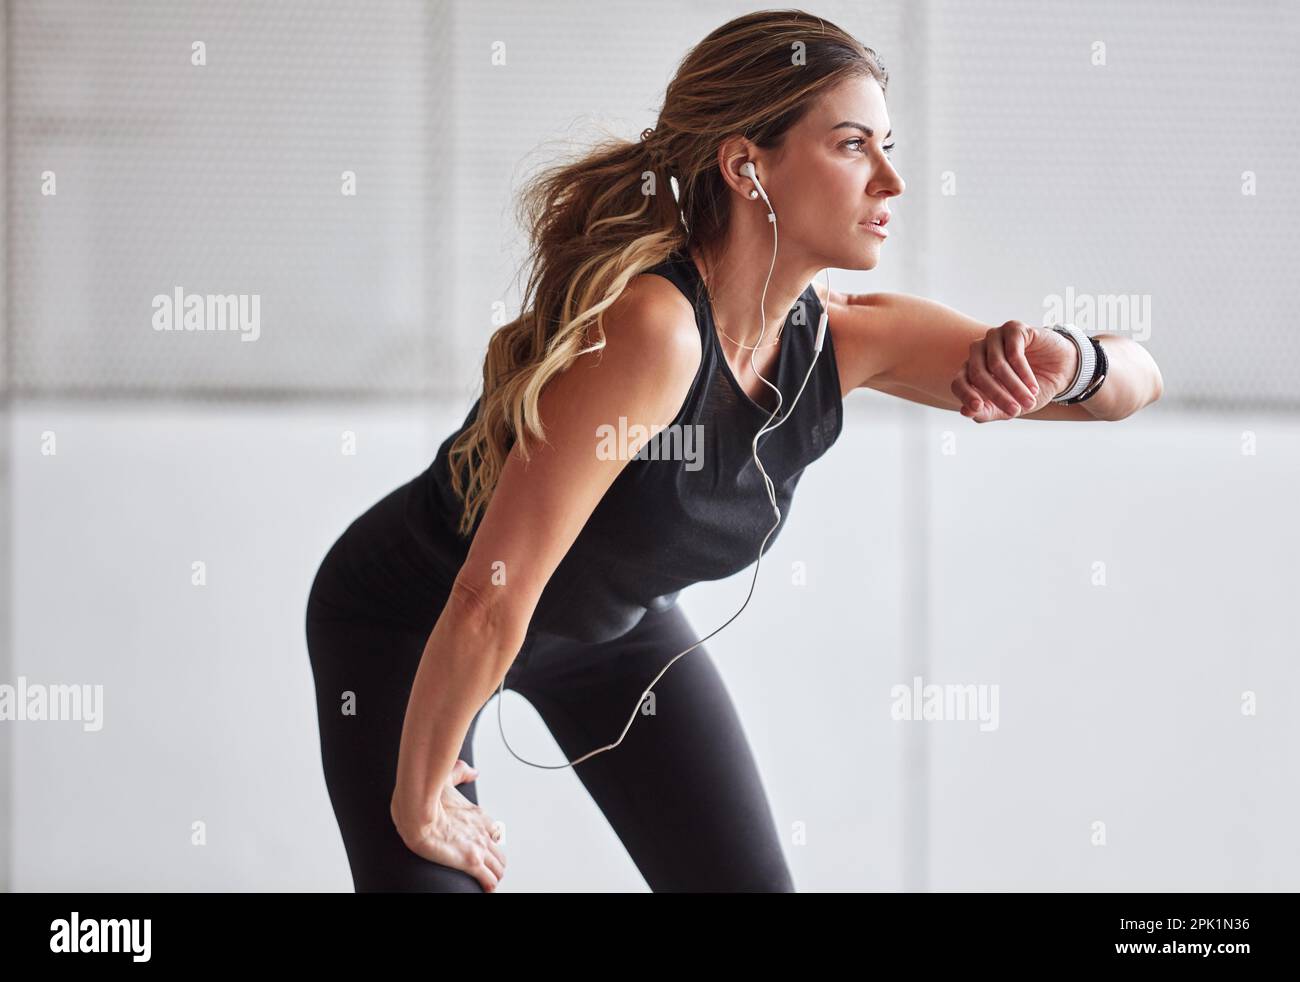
[{"x": 552, "y": 568}]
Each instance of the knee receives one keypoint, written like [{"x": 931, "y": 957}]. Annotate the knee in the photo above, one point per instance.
[
  {"x": 382, "y": 863},
  {"x": 751, "y": 879},
  {"x": 775, "y": 879},
  {"x": 777, "y": 883},
  {"x": 416, "y": 876}
]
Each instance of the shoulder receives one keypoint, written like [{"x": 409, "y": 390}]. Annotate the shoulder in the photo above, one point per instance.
[
  {"x": 651, "y": 337},
  {"x": 863, "y": 312},
  {"x": 884, "y": 304},
  {"x": 875, "y": 333},
  {"x": 652, "y": 314},
  {"x": 903, "y": 343},
  {"x": 863, "y": 327}
]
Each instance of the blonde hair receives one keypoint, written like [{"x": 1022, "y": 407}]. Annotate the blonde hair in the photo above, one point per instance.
[{"x": 596, "y": 222}]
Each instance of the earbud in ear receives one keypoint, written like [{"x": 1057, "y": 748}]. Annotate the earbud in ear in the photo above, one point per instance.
[{"x": 747, "y": 168}]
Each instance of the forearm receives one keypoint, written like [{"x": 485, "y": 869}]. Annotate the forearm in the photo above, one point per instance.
[
  {"x": 463, "y": 663},
  {"x": 1132, "y": 381}
]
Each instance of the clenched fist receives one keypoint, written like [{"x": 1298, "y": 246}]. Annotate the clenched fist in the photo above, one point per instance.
[{"x": 1013, "y": 370}]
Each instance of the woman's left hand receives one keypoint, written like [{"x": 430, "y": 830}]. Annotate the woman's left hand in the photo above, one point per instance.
[{"x": 1013, "y": 370}]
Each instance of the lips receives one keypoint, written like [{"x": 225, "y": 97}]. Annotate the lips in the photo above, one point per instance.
[{"x": 881, "y": 219}]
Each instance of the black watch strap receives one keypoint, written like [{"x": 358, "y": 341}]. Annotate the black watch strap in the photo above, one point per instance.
[{"x": 1099, "y": 375}]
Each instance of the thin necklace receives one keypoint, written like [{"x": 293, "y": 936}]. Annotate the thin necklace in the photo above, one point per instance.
[
  {"x": 733, "y": 340},
  {"x": 741, "y": 344}
]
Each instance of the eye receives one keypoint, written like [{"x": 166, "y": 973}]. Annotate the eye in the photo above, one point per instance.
[{"x": 888, "y": 148}]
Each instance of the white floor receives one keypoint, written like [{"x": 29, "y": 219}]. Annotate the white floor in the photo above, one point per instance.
[{"x": 1121, "y": 759}]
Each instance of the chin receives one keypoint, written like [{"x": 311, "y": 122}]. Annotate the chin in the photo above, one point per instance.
[
  {"x": 853, "y": 254},
  {"x": 860, "y": 255},
  {"x": 859, "y": 259}
]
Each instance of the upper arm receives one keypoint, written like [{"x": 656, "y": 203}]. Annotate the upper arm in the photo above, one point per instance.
[
  {"x": 644, "y": 373},
  {"x": 913, "y": 347}
]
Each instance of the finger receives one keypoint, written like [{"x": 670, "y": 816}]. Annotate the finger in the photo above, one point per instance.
[
  {"x": 492, "y": 862},
  {"x": 989, "y": 388},
  {"x": 494, "y": 846},
  {"x": 971, "y": 403},
  {"x": 462, "y": 772},
  {"x": 471, "y": 860},
  {"x": 1001, "y": 369},
  {"x": 487, "y": 877},
  {"x": 1015, "y": 351},
  {"x": 980, "y": 413},
  {"x": 995, "y": 364},
  {"x": 988, "y": 411}
]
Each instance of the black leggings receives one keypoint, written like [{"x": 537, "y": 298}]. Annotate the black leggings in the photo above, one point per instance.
[{"x": 681, "y": 791}]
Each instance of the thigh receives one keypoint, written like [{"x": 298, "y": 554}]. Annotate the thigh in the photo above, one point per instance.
[
  {"x": 363, "y": 671},
  {"x": 682, "y": 790}
]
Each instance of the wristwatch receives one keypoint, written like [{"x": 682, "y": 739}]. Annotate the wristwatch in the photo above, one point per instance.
[
  {"x": 1099, "y": 376},
  {"x": 1087, "y": 362}
]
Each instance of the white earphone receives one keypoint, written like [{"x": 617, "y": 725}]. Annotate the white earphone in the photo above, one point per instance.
[{"x": 747, "y": 168}]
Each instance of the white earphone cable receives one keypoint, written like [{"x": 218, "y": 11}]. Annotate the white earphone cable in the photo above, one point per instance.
[{"x": 747, "y": 168}]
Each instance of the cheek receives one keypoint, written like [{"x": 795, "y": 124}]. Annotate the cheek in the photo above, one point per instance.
[
  {"x": 828, "y": 198},
  {"x": 843, "y": 196}
]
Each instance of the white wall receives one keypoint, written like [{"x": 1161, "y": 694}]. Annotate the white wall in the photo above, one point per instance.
[{"x": 1118, "y": 703}]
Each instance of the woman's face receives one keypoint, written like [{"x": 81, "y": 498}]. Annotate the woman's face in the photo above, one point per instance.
[{"x": 832, "y": 177}]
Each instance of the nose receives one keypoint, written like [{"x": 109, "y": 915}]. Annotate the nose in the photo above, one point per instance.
[
  {"x": 890, "y": 184},
  {"x": 893, "y": 184}
]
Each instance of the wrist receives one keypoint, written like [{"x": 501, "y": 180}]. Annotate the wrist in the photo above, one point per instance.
[
  {"x": 1085, "y": 362},
  {"x": 1072, "y": 373},
  {"x": 413, "y": 819},
  {"x": 1096, "y": 375}
]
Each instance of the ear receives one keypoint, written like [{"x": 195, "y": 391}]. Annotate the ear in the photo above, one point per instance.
[{"x": 734, "y": 151}]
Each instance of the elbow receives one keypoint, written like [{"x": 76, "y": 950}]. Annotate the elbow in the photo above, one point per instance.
[
  {"x": 1155, "y": 381},
  {"x": 1153, "y": 393},
  {"x": 1156, "y": 390},
  {"x": 483, "y": 614}
]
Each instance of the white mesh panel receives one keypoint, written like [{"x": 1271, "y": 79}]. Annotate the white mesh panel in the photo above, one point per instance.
[
  {"x": 1122, "y": 179},
  {"x": 1125, "y": 179},
  {"x": 225, "y": 179}
]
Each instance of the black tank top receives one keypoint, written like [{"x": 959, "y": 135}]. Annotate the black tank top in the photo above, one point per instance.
[{"x": 684, "y": 509}]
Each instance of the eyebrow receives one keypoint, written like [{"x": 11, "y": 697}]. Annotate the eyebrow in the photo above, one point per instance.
[{"x": 850, "y": 124}]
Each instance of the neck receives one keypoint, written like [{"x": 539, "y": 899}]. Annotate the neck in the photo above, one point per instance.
[{"x": 734, "y": 278}]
